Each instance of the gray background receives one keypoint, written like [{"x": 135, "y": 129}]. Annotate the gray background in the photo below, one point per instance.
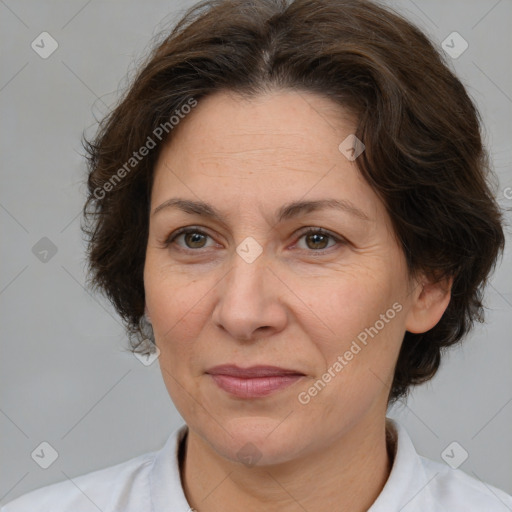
[{"x": 66, "y": 376}]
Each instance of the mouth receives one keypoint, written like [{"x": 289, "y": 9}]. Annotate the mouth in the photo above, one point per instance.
[{"x": 253, "y": 382}]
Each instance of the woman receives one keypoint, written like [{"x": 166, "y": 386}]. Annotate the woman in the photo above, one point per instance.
[{"x": 290, "y": 203}]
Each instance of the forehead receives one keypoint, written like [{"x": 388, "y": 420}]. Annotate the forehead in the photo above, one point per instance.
[
  {"x": 276, "y": 118},
  {"x": 276, "y": 147},
  {"x": 226, "y": 125}
]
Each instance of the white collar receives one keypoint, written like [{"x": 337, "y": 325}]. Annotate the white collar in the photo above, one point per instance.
[
  {"x": 164, "y": 478},
  {"x": 414, "y": 484},
  {"x": 406, "y": 481}
]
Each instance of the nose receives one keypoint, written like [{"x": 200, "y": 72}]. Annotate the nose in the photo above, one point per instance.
[{"x": 249, "y": 305}]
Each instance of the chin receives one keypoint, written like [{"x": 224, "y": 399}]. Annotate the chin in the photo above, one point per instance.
[{"x": 256, "y": 440}]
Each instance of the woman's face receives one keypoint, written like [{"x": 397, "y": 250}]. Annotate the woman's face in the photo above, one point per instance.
[{"x": 250, "y": 287}]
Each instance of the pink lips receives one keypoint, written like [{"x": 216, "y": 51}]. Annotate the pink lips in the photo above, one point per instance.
[{"x": 253, "y": 382}]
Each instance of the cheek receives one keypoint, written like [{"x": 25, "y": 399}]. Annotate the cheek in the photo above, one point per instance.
[
  {"x": 351, "y": 301},
  {"x": 176, "y": 304},
  {"x": 362, "y": 315},
  {"x": 173, "y": 298},
  {"x": 357, "y": 363},
  {"x": 177, "y": 308}
]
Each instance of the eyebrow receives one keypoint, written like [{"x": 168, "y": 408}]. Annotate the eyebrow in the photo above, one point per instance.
[{"x": 286, "y": 212}]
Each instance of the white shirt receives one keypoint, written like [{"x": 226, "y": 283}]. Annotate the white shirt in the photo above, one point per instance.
[{"x": 151, "y": 483}]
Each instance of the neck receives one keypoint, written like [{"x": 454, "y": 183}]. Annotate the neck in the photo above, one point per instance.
[{"x": 347, "y": 476}]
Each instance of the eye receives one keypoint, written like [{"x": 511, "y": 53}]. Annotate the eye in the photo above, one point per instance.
[
  {"x": 317, "y": 239},
  {"x": 193, "y": 238}
]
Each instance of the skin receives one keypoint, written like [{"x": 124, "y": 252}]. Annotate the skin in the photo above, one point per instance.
[{"x": 299, "y": 305}]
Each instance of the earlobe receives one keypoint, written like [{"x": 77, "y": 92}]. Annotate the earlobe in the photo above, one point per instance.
[
  {"x": 146, "y": 314},
  {"x": 429, "y": 304}
]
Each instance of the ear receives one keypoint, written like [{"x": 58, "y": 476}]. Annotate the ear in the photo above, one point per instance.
[{"x": 429, "y": 302}]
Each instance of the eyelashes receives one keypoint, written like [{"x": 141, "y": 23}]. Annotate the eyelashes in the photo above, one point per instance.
[
  {"x": 192, "y": 235},
  {"x": 185, "y": 231}
]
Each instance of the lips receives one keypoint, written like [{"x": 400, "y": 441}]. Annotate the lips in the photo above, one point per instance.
[
  {"x": 252, "y": 372},
  {"x": 253, "y": 382}
]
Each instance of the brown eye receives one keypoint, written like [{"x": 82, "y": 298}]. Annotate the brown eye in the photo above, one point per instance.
[
  {"x": 192, "y": 238},
  {"x": 317, "y": 240}
]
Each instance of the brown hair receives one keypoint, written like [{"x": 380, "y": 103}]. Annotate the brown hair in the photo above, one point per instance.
[{"x": 424, "y": 155}]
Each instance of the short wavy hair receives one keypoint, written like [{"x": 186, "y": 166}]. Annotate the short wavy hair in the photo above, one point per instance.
[{"x": 424, "y": 154}]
